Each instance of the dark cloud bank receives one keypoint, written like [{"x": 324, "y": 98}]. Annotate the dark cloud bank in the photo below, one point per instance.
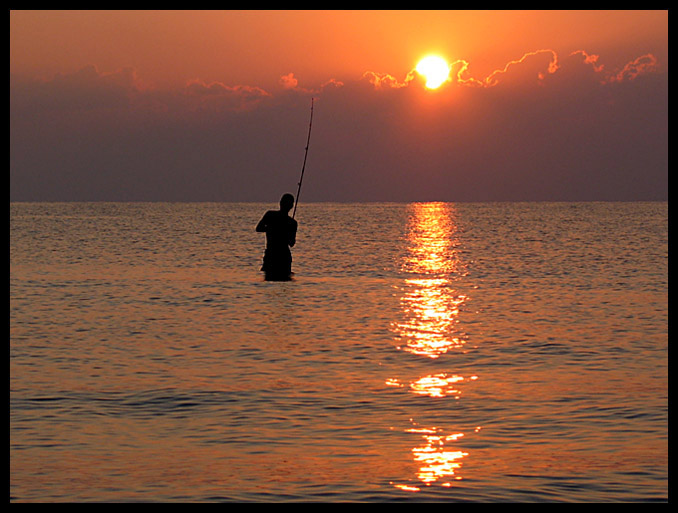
[{"x": 544, "y": 128}]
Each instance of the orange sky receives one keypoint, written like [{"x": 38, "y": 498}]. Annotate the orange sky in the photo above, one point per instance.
[
  {"x": 257, "y": 47},
  {"x": 212, "y": 105}
]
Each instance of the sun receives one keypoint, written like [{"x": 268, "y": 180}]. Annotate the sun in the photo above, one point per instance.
[{"x": 434, "y": 69}]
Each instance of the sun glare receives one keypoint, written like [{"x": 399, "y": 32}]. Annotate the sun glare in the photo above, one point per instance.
[{"x": 434, "y": 69}]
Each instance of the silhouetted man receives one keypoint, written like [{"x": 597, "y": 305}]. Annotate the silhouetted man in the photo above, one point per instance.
[{"x": 281, "y": 234}]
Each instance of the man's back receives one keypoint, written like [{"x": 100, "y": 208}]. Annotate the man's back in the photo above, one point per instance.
[
  {"x": 281, "y": 229},
  {"x": 281, "y": 233}
]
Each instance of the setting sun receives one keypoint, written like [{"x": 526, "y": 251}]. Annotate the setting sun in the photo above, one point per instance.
[{"x": 434, "y": 69}]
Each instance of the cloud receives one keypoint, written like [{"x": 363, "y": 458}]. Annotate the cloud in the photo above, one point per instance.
[
  {"x": 216, "y": 95},
  {"x": 542, "y": 127},
  {"x": 528, "y": 69},
  {"x": 85, "y": 89},
  {"x": 386, "y": 81},
  {"x": 531, "y": 69},
  {"x": 288, "y": 81},
  {"x": 640, "y": 66}
]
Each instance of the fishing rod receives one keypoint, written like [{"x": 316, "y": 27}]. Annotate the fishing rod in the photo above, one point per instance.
[{"x": 301, "y": 179}]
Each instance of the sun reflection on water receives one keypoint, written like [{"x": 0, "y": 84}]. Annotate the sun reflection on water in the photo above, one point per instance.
[
  {"x": 437, "y": 461},
  {"x": 430, "y": 305},
  {"x": 434, "y": 385},
  {"x": 439, "y": 385},
  {"x": 430, "y": 308}
]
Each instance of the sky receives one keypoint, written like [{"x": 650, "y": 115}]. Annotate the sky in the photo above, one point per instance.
[{"x": 215, "y": 106}]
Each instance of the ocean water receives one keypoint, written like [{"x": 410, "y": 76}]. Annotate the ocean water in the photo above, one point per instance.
[{"x": 500, "y": 352}]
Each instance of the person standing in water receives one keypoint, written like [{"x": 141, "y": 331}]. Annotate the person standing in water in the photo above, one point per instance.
[{"x": 281, "y": 234}]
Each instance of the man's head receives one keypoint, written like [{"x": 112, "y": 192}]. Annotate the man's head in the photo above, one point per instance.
[{"x": 286, "y": 202}]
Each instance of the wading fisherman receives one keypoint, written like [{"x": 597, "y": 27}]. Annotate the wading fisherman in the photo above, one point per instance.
[
  {"x": 281, "y": 234},
  {"x": 281, "y": 229}
]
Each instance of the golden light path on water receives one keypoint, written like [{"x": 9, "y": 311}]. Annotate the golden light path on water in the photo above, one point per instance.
[
  {"x": 428, "y": 329},
  {"x": 429, "y": 304}
]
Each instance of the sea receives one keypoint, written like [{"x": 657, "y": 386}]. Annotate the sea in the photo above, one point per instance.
[{"x": 422, "y": 352}]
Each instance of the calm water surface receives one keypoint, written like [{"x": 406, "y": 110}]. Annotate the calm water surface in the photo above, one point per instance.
[{"x": 423, "y": 352}]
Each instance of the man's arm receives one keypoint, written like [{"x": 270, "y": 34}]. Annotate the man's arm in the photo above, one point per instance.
[
  {"x": 263, "y": 224},
  {"x": 292, "y": 236}
]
